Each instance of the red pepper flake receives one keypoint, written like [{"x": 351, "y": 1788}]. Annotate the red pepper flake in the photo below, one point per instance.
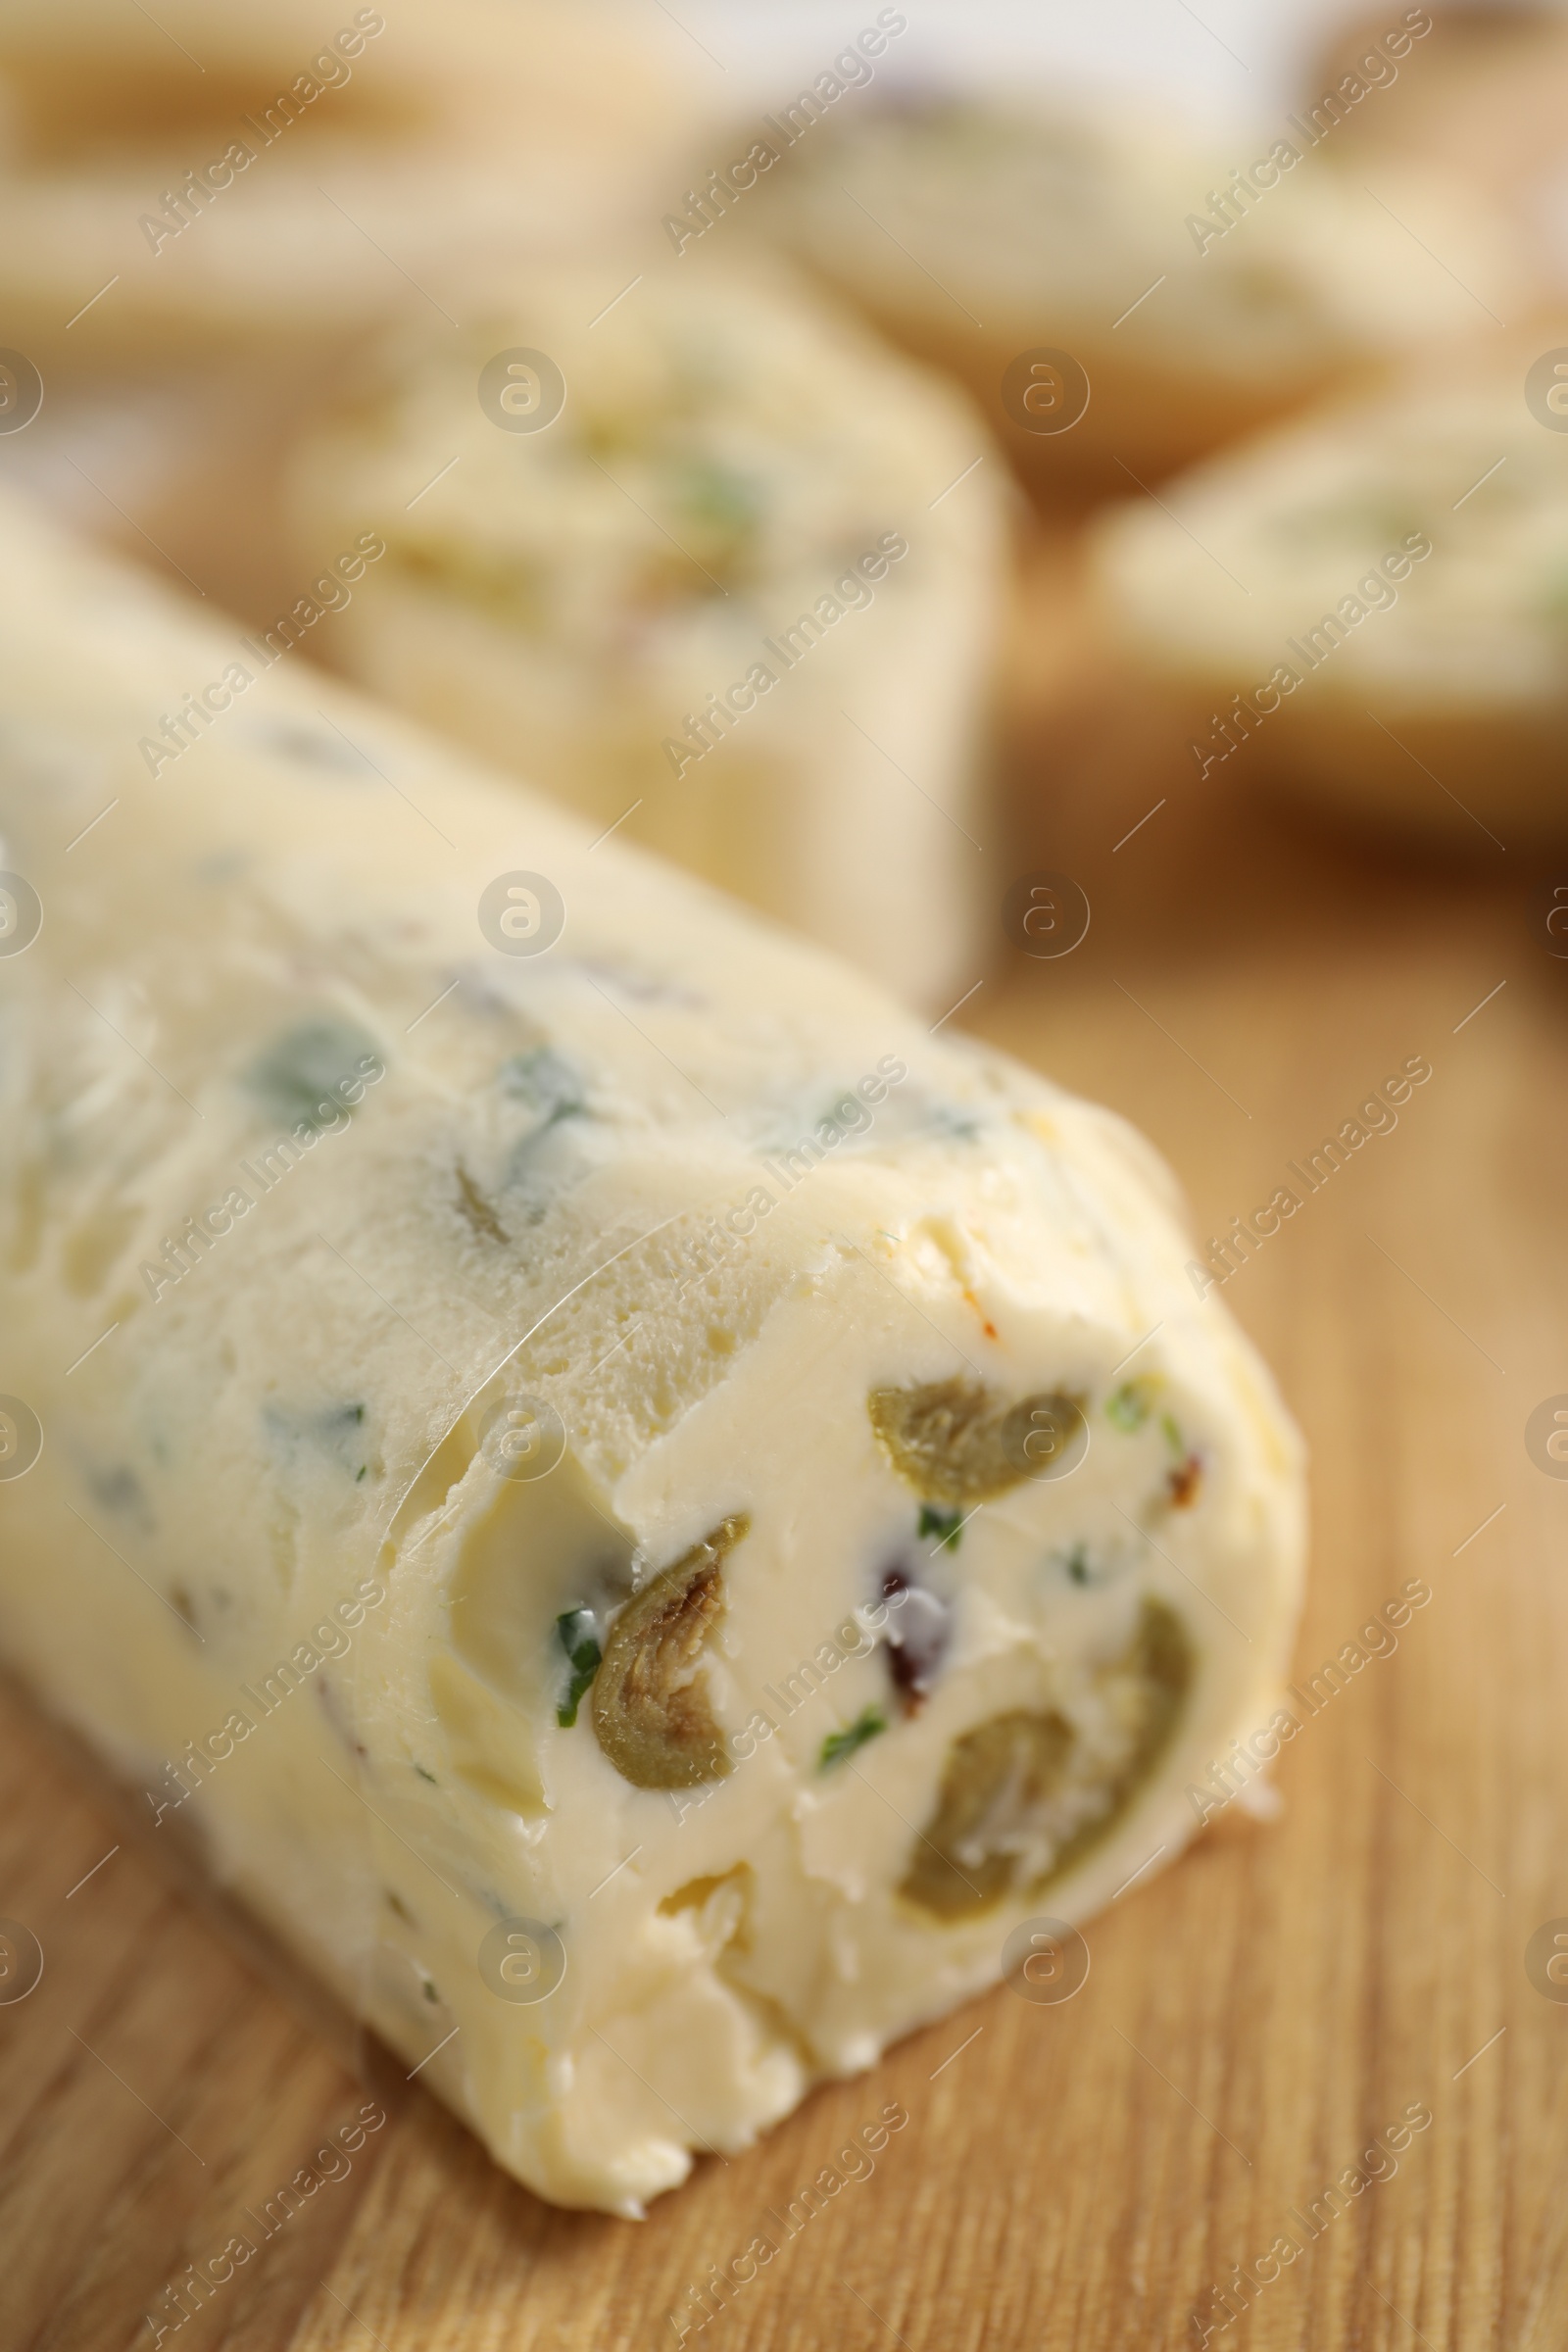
[
  {"x": 986, "y": 1324},
  {"x": 1184, "y": 1483}
]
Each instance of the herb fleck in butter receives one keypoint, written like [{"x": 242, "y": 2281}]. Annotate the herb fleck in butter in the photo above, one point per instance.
[
  {"x": 838, "y": 1745},
  {"x": 580, "y": 1638},
  {"x": 946, "y": 1526}
]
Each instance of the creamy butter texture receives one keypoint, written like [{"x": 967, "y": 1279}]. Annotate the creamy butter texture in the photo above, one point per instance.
[{"x": 650, "y": 1534}]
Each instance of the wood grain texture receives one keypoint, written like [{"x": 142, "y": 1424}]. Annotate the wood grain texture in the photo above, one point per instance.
[{"x": 1071, "y": 2179}]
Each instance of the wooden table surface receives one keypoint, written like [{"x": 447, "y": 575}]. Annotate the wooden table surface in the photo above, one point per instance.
[{"x": 1080, "y": 2175}]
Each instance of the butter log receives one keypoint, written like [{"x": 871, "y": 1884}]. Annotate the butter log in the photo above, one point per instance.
[{"x": 646, "y": 1512}]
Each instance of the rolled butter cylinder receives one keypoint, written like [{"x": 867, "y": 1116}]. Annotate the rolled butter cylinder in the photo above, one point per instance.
[
  {"x": 715, "y": 568},
  {"x": 648, "y": 1514}
]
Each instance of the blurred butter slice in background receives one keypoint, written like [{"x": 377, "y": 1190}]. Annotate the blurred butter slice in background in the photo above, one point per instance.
[
  {"x": 1371, "y": 606},
  {"x": 209, "y": 215},
  {"x": 229, "y": 176},
  {"x": 713, "y": 567},
  {"x": 1204, "y": 287}
]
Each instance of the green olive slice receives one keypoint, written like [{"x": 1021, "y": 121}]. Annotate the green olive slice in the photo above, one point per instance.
[
  {"x": 650, "y": 1696},
  {"x": 997, "y": 1780},
  {"x": 956, "y": 1441},
  {"x": 1004, "y": 1778}
]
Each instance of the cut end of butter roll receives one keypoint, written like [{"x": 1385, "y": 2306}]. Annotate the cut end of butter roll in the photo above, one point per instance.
[{"x": 647, "y": 1512}]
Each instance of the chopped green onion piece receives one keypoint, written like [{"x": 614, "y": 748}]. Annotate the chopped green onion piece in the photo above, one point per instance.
[
  {"x": 1129, "y": 1407},
  {"x": 839, "y": 1745},
  {"x": 1173, "y": 1437},
  {"x": 579, "y": 1639},
  {"x": 303, "y": 1075},
  {"x": 545, "y": 1080},
  {"x": 946, "y": 1525}
]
